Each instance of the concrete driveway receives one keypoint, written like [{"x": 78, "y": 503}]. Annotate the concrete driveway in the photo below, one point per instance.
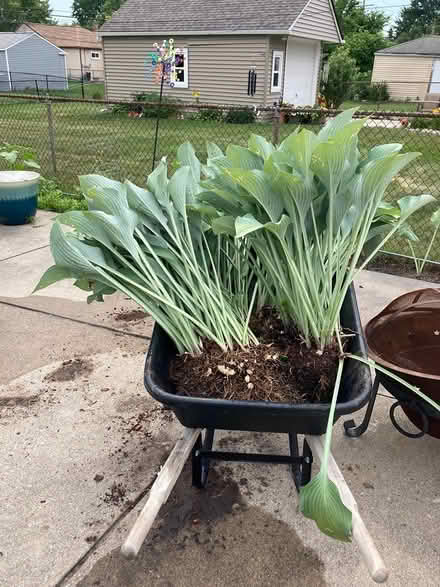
[{"x": 81, "y": 443}]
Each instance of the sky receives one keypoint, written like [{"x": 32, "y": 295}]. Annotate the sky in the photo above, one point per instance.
[
  {"x": 61, "y": 7},
  {"x": 390, "y": 7}
]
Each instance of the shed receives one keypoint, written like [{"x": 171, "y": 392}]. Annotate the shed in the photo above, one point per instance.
[
  {"x": 82, "y": 47},
  {"x": 220, "y": 42},
  {"x": 26, "y": 59},
  {"x": 411, "y": 69}
]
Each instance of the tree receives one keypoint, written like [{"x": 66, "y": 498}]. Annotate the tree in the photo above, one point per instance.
[
  {"x": 362, "y": 47},
  {"x": 342, "y": 70},
  {"x": 91, "y": 13},
  {"x": 355, "y": 19},
  {"x": 421, "y": 17},
  {"x": 13, "y": 13}
]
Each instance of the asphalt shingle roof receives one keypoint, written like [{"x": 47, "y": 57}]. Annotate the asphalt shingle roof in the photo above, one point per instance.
[
  {"x": 8, "y": 39},
  {"x": 429, "y": 45},
  {"x": 66, "y": 36},
  {"x": 169, "y": 16}
]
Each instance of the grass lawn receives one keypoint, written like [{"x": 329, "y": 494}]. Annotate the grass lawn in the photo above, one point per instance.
[
  {"x": 385, "y": 106},
  {"x": 89, "y": 139},
  {"x": 74, "y": 91}
]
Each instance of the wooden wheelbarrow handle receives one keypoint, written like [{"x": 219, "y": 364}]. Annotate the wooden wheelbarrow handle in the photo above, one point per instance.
[
  {"x": 376, "y": 567},
  {"x": 160, "y": 492}
]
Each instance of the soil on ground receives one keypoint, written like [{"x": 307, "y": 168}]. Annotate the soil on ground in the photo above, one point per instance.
[
  {"x": 404, "y": 268},
  {"x": 280, "y": 369},
  {"x": 130, "y": 316},
  {"x": 71, "y": 369}
]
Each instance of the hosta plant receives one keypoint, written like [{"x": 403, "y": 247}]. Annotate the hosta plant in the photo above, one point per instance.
[{"x": 200, "y": 251}]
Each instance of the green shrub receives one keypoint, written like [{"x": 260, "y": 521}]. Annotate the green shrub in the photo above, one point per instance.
[
  {"x": 422, "y": 123},
  {"x": 341, "y": 73},
  {"x": 242, "y": 116},
  {"x": 302, "y": 117},
  {"x": 97, "y": 95},
  {"x": 51, "y": 197},
  {"x": 209, "y": 114}
]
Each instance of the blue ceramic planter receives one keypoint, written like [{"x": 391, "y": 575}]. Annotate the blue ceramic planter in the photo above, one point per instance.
[{"x": 18, "y": 196}]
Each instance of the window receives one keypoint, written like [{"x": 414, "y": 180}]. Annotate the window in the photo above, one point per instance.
[
  {"x": 96, "y": 55},
  {"x": 277, "y": 71},
  {"x": 181, "y": 69}
]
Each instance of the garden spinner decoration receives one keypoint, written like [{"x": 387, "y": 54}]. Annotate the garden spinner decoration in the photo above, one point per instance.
[{"x": 163, "y": 60}]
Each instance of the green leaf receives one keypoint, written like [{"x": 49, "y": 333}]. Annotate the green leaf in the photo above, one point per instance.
[
  {"x": 213, "y": 150},
  {"x": 243, "y": 158},
  {"x": 320, "y": 501},
  {"x": 410, "y": 204},
  {"x": 32, "y": 164},
  {"x": 157, "y": 183},
  {"x": 54, "y": 274},
  {"x": 178, "y": 186},
  {"x": 259, "y": 185},
  {"x": 246, "y": 224},
  {"x": 224, "y": 225},
  {"x": 145, "y": 202},
  {"x": 259, "y": 145},
  {"x": 435, "y": 218},
  {"x": 9, "y": 156}
]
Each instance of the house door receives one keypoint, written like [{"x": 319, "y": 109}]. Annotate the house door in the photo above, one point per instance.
[
  {"x": 434, "y": 87},
  {"x": 301, "y": 71}
]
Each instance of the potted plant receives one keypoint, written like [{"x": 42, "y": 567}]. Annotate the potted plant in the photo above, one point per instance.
[
  {"x": 246, "y": 264},
  {"x": 18, "y": 185}
]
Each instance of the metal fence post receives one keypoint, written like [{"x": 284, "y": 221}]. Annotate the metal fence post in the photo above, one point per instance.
[
  {"x": 51, "y": 131},
  {"x": 276, "y": 125}
]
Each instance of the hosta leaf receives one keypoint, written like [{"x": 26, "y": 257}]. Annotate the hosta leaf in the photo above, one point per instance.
[
  {"x": 259, "y": 185},
  {"x": 387, "y": 209},
  {"x": 213, "y": 150},
  {"x": 246, "y": 224},
  {"x": 224, "y": 225},
  {"x": 157, "y": 183},
  {"x": 279, "y": 228},
  {"x": 407, "y": 232},
  {"x": 300, "y": 148},
  {"x": 145, "y": 202},
  {"x": 260, "y": 146},
  {"x": 382, "y": 151},
  {"x": 320, "y": 501},
  {"x": 435, "y": 218},
  {"x": 187, "y": 156},
  {"x": 68, "y": 254},
  {"x": 410, "y": 204},
  {"x": 104, "y": 194},
  {"x": 54, "y": 274},
  {"x": 178, "y": 187},
  {"x": 9, "y": 156},
  {"x": 243, "y": 158},
  {"x": 334, "y": 125}
]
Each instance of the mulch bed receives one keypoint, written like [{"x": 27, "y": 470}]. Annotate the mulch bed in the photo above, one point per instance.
[{"x": 280, "y": 369}]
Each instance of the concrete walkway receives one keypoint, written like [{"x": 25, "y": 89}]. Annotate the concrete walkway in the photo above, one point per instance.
[{"x": 81, "y": 443}]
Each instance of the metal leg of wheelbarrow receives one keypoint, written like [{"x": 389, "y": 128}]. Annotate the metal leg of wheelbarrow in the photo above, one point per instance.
[
  {"x": 301, "y": 471},
  {"x": 200, "y": 464},
  {"x": 350, "y": 427}
]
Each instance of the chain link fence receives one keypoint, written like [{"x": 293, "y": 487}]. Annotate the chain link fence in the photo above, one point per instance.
[{"x": 116, "y": 139}]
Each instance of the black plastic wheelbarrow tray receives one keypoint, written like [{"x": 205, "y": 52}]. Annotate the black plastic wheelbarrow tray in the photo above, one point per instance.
[{"x": 202, "y": 416}]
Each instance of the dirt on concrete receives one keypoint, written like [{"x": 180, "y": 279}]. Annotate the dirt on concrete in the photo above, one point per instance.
[
  {"x": 70, "y": 370},
  {"x": 211, "y": 537},
  {"x": 130, "y": 316}
]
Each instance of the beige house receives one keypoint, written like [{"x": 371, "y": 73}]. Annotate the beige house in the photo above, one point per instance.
[
  {"x": 220, "y": 47},
  {"x": 82, "y": 47},
  {"x": 411, "y": 70}
]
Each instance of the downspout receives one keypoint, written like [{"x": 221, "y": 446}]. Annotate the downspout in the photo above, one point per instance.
[
  {"x": 8, "y": 70},
  {"x": 284, "y": 69}
]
